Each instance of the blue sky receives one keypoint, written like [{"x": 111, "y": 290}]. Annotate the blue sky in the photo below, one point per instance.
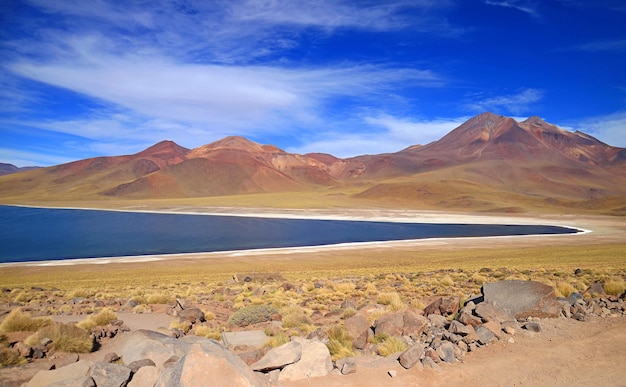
[{"x": 85, "y": 78}]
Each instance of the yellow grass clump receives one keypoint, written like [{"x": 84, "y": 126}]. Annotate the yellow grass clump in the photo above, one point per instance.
[
  {"x": 208, "y": 332},
  {"x": 392, "y": 300},
  {"x": 18, "y": 321},
  {"x": 65, "y": 338},
  {"x": 615, "y": 286},
  {"x": 564, "y": 289},
  {"x": 339, "y": 342},
  {"x": 104, "y": 317},
  {"x": 391, "y": 345}
]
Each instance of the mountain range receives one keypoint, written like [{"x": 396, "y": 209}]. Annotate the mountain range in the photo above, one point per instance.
[{"x": 489, "y": 163}]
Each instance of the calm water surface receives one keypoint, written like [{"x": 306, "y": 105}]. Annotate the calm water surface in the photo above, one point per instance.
[{"x": 37, "y": 234}]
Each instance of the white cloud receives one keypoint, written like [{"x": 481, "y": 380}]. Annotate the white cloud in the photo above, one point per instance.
[
  {"x": 386, "y": 134},
  {"x": 518, "y": 103},
  {"x": 610, "y": 128},
  {"x": 525, "y": 6}
]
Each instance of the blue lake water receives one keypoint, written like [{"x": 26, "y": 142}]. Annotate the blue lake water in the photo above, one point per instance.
[{"x": 36, "y": 234}]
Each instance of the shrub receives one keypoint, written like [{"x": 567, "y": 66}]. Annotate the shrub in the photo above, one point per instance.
[
  {"x": 209, "y": 316},
  {"x": 183, "y": 326},
  {"x": 17, "y": 321},
  {"x": 615, "y": 286},
  {"x": 564, "y": 289},
  {"x": 392, "y": 299},
  {"x": 277, "y": 340},
  {"x": 348, "y": 312},
  {"x": 339, "y": 342},
  {"x": 105, "y": 316},
  {"x": 65, "y": 338},
  {"x": 391, "y": 345},
  {"x": 252, "y": 314}
]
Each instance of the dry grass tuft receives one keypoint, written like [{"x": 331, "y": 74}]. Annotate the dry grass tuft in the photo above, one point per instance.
[
  {"x": 208, "y": 332},
  {"x": 104, "y": 317},
  {"x": 615, "y": 286},
  {"x": 564, "y": 289},
  {"x": 339, "y": 342},
  {"x": 391, "y": 345},
  {"x": 65, "y": 338},
  {"x": 18, "y": 321},
  {"x": 392, "y": 300}
]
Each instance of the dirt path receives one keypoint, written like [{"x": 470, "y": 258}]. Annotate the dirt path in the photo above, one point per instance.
[{"x": 565, "y": 353}]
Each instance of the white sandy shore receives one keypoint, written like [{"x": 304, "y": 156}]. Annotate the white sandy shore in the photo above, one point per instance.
[{"x": 382, "y": 215}]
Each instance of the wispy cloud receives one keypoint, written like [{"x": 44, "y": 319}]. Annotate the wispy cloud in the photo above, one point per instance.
[
  {"x": 610, "y": 128},
  {"x": 603, "y": 45},
  {"x": 384, "y": 133},
  {"x": 518, "y": 103},
  {"x": 529, "y": 7}
]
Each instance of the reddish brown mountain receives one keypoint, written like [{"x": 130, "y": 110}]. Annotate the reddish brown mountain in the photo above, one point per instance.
[{"x": 489, "y": 162}]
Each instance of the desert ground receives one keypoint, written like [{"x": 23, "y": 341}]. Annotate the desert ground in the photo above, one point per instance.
[{"x": 566, "y": 352}]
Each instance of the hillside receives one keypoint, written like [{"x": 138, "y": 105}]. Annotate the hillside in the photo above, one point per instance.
[{"x": 489, "y": 163}]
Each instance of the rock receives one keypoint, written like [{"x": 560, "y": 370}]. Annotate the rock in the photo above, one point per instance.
[
  {"x": 208, "y": 363},
  {"x": 495, "y": 328},
  {"x": 348, "y": 368},
  {"x": 145, "y": 344},
  {"x": 446, "y": 352},
  {"x": 488, "y": 311},
  {"x": 74, "y": 370},
  {"x": 367, "y": 362},
  {"x": 595, "y": 289},
  {"x": 458, "y": 328},
  {"x": 23, "y": 349},
  {"x": 432, "y": 354},
  {"x": 81, "y": 381},
  {"x": 110, "y": 375},
  {"x": 390, "y": 324},
  {"x": 467, "y": 318},
  {"x": 444, "y": 306},
  {"x": 279, "y": 357},
  {"x": 437, "y": 320},
  {"x": 193, "y": 315},
  {"x": 532, "y": 326},
  {"x": 485, "y": 336},
  {"x": 414, "y": 324},
  {"x": 412, "y": 356},
  {"x": 523, "y": 298},
  {"x": 392, "y": 373},
  {"x": 430, "y": 363},
  {"x": 315, "y": 361},
  {"x": 255, "y": 338},
  {"x": 573, "y": 297},
  {"x": 144, "y": 376},
  {"x": 358, "y": 326},
  {"x": 138, "y": 364},
  {"x": 111, "y": 357}
]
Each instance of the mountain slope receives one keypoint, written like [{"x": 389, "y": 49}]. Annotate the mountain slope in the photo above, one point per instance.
[{"x": 489, "y": 162}]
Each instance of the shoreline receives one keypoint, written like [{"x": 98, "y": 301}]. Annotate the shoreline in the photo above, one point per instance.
[{"x": 367, "y": 215}]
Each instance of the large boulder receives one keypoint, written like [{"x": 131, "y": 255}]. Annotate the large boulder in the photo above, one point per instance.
[
  {"x": 412, "y": 356},
  {"x": 279, "y": 357},
  {"x": 108, "y": 374},
  {"x": 358, "y": 327},
  {"x": 315, "y": 361},
  {"x": 523, "y": 298},
  {"x": 208, "y": 363},
  {"x": 145, "y": 344},
  {"x": 79, "y": 369}
]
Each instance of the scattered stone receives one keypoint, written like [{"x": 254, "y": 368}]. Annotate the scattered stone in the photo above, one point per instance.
[
  {"x": 192, "y": 315},
  {"x": 428, "y": 362},
  {"x": 437, "y": 320},
  {"x": 348, "y": 368},
  {"x": 23, "y": 349},
  {"x": 458, "y": 328},
  {"x": 489, "y": 311},
  {"x": 392, "y": 373},
  {"x": 485, "y": 336},
  {"x": 412, "y": 356},
  {"x": 446, "y": 352},
  {"x": 358, "y": 327},
  {"x": 595, "y": 289},
  {"x": 532, "y": 326},
  {"x": 444, "y": 306},
  {"x": 279, "y": 357}
]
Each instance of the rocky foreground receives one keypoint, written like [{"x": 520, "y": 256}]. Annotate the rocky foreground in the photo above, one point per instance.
[{"x": 442, "y": 333}]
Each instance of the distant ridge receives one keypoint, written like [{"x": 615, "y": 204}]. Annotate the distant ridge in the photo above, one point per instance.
[
  {"x": 490, "y": 162},
  {"x": 7, "y": 169}
]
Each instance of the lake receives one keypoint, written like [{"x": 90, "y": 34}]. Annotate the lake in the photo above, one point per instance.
[{"x": 37, "y": 234}]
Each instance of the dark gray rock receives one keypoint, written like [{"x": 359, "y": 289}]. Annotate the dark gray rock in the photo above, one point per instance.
[
  {"x": 446, "y": 352},
  {"x": 523, "y": 298},
  {"x": 532, "y": 326},
  {"x": 485, "y": 336},
  {"x": 412, "y": 356}
]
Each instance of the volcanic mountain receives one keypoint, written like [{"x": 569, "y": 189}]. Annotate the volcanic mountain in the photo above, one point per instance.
[{"x": 490, "y": 162}]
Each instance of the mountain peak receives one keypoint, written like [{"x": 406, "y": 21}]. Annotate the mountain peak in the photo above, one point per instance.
[{"x": 164, "y": 147}]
